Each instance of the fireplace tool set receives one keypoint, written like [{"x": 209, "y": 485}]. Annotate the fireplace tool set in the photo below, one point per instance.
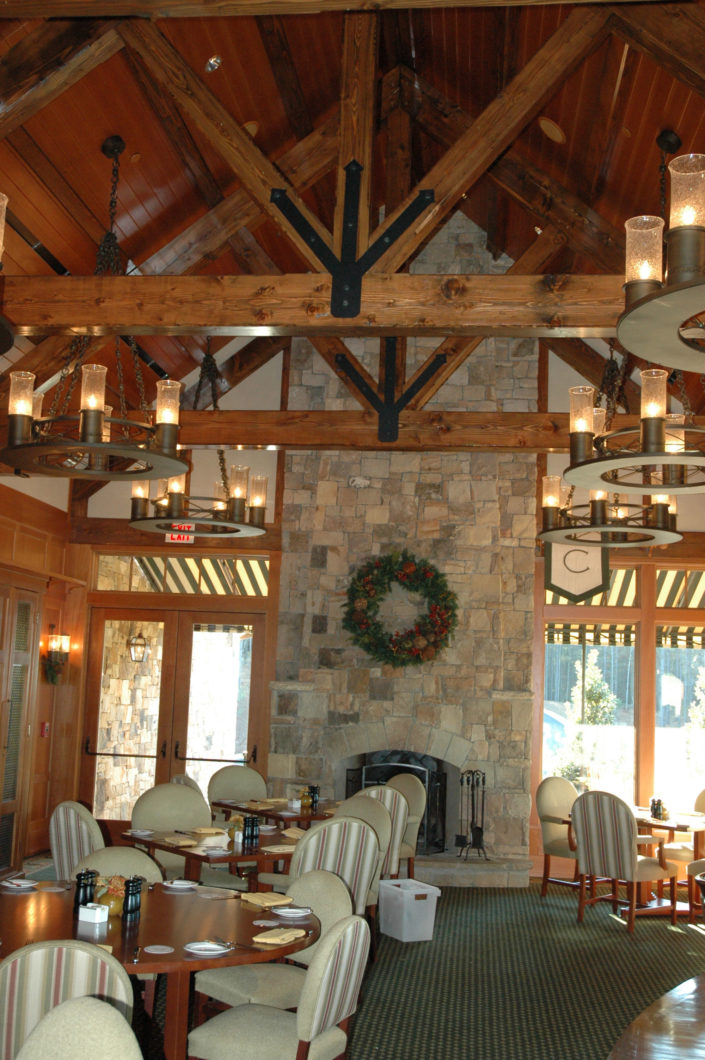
[{"x": 472, "y": 813}]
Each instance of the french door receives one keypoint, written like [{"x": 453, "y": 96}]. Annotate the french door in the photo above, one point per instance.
[{"x": 192, "y": 705}]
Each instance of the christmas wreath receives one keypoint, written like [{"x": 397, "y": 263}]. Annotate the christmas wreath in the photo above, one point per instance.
[{"x": 430, "y": 632}]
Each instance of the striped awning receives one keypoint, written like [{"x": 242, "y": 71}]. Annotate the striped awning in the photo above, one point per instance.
[
  {"x": 680, "y": 588},
  {"x": 680, "y": 637},
  {"x": 618, "y": 633},
  {"x": 621, "y": 592},
  {"x": 205, "y": 575}
]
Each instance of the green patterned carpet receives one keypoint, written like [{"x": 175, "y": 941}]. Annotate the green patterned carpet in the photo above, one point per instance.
[{"x": 511, "y": 976}]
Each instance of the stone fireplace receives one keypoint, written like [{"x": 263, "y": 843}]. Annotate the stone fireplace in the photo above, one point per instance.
[{"x": 470, "y": 514}]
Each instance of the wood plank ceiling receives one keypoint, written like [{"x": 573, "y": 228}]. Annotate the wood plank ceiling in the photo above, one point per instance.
[{"x": 538, "y": 121}]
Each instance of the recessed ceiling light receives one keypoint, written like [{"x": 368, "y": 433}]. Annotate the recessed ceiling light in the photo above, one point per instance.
[
  {"x": 251, "y": 127},
  {"x": 549, "y": 128},
  {"x": 213, "y": 63}
]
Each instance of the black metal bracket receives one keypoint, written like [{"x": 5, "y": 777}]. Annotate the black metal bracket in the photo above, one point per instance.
[
  {"x": 114, "y": 754},
  {"x": 347, "y": 272},
  {"x": 387, "y": 407},
  {"x": 252, "y": 757}
]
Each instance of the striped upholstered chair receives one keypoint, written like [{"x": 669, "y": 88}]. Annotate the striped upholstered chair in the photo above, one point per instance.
[
  {"x": 399, "y": 811},
  {"x": 415, "y": 794},
  {"x": 82, "y": 1026},
  {"x": 376, "y": 814},
  {"x": 608, "y": 847},
  {"x": 328, "y": 998},
  {"x": 39, "y": 976},
  {"x": 73, "y": 833}
]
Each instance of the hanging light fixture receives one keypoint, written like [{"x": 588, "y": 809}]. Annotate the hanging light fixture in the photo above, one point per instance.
[
  {"x": 93, "y": 444},
  {"x": 662, "y": 320},
  {"x": 137, "y": 646},
  {"x": 56, "y": 656},
  {"x": 232, "y": 511}
]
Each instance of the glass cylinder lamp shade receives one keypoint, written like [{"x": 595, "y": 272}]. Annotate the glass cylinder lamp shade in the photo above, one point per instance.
[
  {"x": 687, "y": 191},
  {"x": 21, "y": 398},
  {"x": 37, "y": 402},
  {"x": 239, "y": 478},
  {"x": 140, "y": 499},
  {"x": 168, "y": 393},
  {"x": 219, "y": 496},
  {"x": 93, "y": 378},
  {"x": 653, "y": 393},
  {"x": 258, "y": 500},
  {"x": 644, "y": 248},
  {"x": 550, "y": 501},
  {"x": 175, "y": 505},
  {"x": 599, "y": 416},
  {"x": 581, "y": 409}
]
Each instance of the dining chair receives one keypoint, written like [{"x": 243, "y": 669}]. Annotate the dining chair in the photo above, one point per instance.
[
  {"x": 189, "y": 782},
  {"x": 81, "y": 1026},
  {"x": 376, "y": 814},
  {"x": 608, "y": 847},
  {"x": 328, "y": 998},
  {"x": 168, "y": 806},
  {"x": 239, "y": 783},
  {"x": 680, "y": 847},
  {"x": 40, "y": 976},
  {"x": 276, "y": 984},
  {"x": 554, "y": 801},
  {"x": 415, "y": 794},
  {"x": 73, "y": 833},
  {"x": 122, "y": 861},
  {"x": 399, "y": 811}
]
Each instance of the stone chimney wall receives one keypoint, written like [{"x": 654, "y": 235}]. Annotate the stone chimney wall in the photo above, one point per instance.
[{"x": 470, "y": 514}]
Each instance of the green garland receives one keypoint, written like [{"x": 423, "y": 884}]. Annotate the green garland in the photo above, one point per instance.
[{"x": 368, "y": 587}]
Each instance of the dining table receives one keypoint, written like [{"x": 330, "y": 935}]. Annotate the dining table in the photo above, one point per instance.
[
  {"x": 170, "y": 919},
  {"x": 277, "y": 810},
  {"x": 272, "y": 849}
]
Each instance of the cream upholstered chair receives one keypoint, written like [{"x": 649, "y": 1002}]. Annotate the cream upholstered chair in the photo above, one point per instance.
[
  {"x": 73, "y": 833},
  {"x": 608, "y": 846},
  {"x": 40, "y": 976},
  {"x": 328, "y": 998},
  {"x": 237, "y": 783},
  {"x": 415, "y": 794},
  {"x": 189, "y": 782},
  {"x": 376, "y": 814},
  {"x": 121, "y": 861},
  {"x": 680, "y": 848},
  {"x": 399, "y": 811},
  {"x": 169, "y": 806},
  {"x": 695, "y": 897},
  {"x": 82, "y": 1026},
  {"x": 278, "y": 984},
  {"x": 554, "y": 801}
]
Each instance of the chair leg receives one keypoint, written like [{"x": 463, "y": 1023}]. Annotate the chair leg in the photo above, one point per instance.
[
  {"x": 546, "y": 874},
  {"x": 410, "y": 868},
  {"x": 674, "y": 895},
  {"x": 631, "y": 895},
  {"x": 581, "y": 899},
  {"x": 615, "y": 896}
]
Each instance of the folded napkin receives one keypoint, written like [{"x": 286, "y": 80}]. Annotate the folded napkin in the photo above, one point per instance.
[
  {"x": 278, "y": 848},
  {"x": 180, "y": 841},
  {"x": 207, "y": 830},
  {"x": 266, "y": 899},
  {"x": 258, "y": 804},
  {"x": 275, "y": 801},
  {"x": 279, "y": 936},
  {"x": 216, "y": 894},
  {"x": 293, "y": 832}
]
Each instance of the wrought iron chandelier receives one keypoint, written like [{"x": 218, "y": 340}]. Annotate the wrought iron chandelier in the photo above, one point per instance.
[
  {"x": 662, "y": 319},
  {"x": 236, "y": 509},
  {"x": 93, "y": 444}
]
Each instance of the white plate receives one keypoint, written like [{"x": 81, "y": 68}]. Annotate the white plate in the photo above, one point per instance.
[
  {"x": 159, "y": 949},
  {"x": 20, "y": 885},
  {"x": 140, "y": 831},
  {"x": 179, "y": 885},
  {"x": 292, "y": 912},
  {"x": 267, "y": 828},
  {"x": 206, "y": 949}
]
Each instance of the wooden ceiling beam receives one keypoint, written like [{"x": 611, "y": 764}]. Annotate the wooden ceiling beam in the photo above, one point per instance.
[
  {"x": 671, "y": 34},
  {"x": 495, "y": 130},
  {"x": 252, "y": 167},
  {"x": 23, "y": 9},
  {"x": 299, "y": 304},
  {"x": 547, "y": 200},
  {"x": 49, "y": 60},
  {"x": 303, "y": 165}
]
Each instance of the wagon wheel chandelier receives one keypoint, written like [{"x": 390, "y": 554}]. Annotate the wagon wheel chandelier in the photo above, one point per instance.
[
  {"x": 93, "y": 444},
  {"x": 236, "y": 509}
]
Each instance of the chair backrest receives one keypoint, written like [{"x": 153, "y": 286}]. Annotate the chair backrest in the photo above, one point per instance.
[
  {"x": 237, "y": 782},
  {"x": 399, "y": 811},
  {"x": 82, "y": 1026},
  {"x": 332, "y": 985},
  {"x": 413, "y": 791},
  {"x": 554, "y": 798},
  {"x": 169, "y": 806},
  {"x": 376, "y": 814},
  {"x": 121, "y": 861},
  {"x": 329, "y": 898},
  {"x": 40, "y": 976},
  {"x": 184, "y": 778},
  {"x": 346, "y": 847},
  {"x": 73, "y": 833},
  {"x": 699, "y": 806},
  {"x": 605, "y": 833}
]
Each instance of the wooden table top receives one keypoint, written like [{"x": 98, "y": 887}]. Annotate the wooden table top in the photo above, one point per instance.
[
  {"x": 228, "y": 851},
  {"x": 670, "y": 1029},
  {"x": 278, "y": 812}
]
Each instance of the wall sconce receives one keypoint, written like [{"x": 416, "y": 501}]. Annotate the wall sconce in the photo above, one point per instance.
[
  {"x": 138, "y": 647},
  {"x": 57, "y": 655}
]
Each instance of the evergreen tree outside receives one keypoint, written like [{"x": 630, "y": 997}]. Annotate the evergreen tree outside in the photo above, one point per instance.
[{"x": 592, "y": 700}]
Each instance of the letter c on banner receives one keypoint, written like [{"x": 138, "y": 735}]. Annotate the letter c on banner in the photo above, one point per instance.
[{"x": 567, "y": 565}]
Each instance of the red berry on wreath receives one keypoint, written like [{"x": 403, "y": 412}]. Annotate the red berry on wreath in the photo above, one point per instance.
[{"x": 409, "y": 567}]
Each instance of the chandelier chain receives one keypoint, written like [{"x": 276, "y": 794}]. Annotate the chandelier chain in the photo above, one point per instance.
[
  {"x": 209, "y": 374},
  {"x": 685, "y": 400},
  {"x": 612, "y": 386}
]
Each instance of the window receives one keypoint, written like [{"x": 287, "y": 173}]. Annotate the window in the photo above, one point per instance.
[{"x": 187, "y": 575}]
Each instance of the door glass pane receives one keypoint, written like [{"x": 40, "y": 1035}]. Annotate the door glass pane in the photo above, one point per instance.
[
  {"x": 128, "y": 718},
  {"x": 18, "y": 685},
  {"x": 219, "y": 697},
  {"x": 588, "y": 718},
  {"x": 680, "y": 715}
]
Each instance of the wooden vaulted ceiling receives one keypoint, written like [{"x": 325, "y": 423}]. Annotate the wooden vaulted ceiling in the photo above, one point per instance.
[{"x": 452, "y": 99}]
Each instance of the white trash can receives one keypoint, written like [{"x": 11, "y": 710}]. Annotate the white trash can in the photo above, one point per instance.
[{"x": 407, "y": 909}]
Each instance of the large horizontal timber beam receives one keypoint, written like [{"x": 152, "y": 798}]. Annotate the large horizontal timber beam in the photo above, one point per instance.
[
  {"x": 299, "y": 304},
  {"x": 23, "y": 9}
]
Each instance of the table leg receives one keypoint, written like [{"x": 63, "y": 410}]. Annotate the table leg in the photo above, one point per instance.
[{"x": 176, "y": 1015}]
